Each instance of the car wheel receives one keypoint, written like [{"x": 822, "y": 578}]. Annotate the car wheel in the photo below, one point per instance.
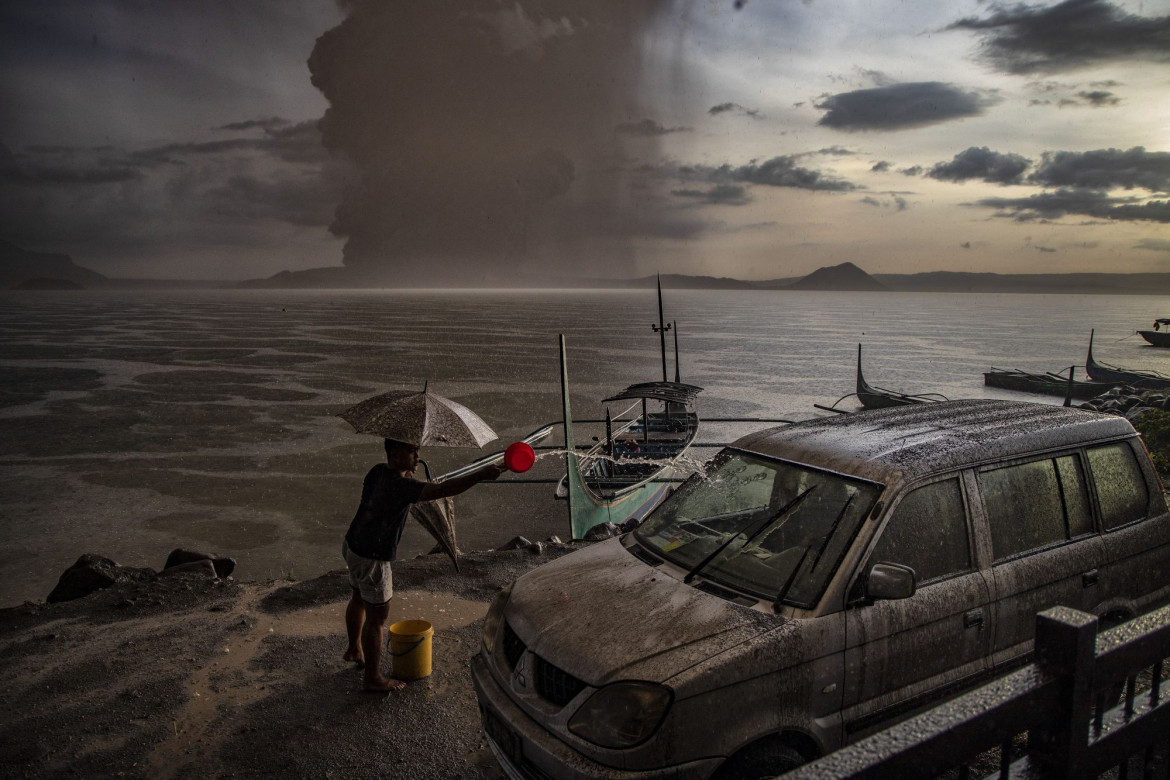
[{"x": 760, "y": 761}]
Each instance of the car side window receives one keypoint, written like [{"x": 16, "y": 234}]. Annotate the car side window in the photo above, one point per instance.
[
  {"x": 1121, "y": 489},
  {"x": 1024, "y": 507},
  {"x": 1076, "y": 495},
  {"x": 928, "y": 532}
]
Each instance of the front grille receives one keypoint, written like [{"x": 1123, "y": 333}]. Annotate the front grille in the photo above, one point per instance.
[
  {"x": 555, "y": 685},
  {"x": 513, "y": 646}
]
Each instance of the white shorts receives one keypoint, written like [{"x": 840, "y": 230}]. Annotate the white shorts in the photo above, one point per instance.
[{"x": 369, "y": 577}]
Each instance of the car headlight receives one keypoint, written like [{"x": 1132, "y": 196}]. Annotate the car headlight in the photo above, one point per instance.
[
  {"x": 493, "y": 619},
  {"x": 623, "y": 714}
]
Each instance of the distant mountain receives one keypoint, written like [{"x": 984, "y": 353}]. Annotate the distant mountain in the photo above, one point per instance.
[
  {"x": 48, "y": 270},
  {"x": 320, "y": 278},
  {"x": 845, "y": 277},
  {"x": 20, "y": 265}
]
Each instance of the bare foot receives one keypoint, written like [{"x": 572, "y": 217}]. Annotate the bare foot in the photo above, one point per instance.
[
  {"x": 354, "y": 657},
  {"x": 384, "y": 685}
]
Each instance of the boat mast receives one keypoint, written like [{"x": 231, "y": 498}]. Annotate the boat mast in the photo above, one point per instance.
[
  {"x": 661, "y": 328},
  {"x": 677, "y": 375}
]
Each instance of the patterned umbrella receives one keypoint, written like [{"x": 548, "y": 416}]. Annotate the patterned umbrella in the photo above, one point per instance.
[{"x": 419, "y": 418}]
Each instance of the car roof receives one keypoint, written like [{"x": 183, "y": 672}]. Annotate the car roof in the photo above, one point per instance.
[{"x": 887, "y": 445}]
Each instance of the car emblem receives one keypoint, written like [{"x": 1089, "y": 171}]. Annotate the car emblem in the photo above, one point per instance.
[{"x": 523, "y": 669}]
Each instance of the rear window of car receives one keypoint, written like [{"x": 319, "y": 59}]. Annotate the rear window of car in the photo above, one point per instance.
[
  {"x": 1032, "y": 505},
  {"x": 1121, "y": 488},
  {"x": 928, "y": 533}
]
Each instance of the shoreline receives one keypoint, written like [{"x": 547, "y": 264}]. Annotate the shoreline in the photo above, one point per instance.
[{"x": 188, "y": 676}]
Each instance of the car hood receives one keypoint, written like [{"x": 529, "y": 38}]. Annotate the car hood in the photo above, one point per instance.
[{"x": 602, "y": 615}]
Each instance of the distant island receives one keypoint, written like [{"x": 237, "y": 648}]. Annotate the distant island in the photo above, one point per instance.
[{"x": 28, "y": 270}]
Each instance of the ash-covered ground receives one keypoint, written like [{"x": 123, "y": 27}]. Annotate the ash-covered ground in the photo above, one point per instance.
[{"x": 186, "y": 677}]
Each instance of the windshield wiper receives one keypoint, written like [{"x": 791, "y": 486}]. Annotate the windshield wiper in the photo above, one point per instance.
[
  {"x": 816, "y": 559},
  {"x": 766, "y": 524}
]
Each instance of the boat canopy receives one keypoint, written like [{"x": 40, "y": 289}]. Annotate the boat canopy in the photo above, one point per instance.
[
  {"x": 1163, "y": 321},
  {"x": 670, "y": 392}
]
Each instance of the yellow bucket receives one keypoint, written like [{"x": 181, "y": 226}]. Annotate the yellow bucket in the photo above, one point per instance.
[{"x": 410, "y": 649}]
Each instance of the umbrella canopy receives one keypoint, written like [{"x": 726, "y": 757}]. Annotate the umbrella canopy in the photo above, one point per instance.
[
  {"x": 419, "y": 418},
  {"x": 438, "y": 517}
]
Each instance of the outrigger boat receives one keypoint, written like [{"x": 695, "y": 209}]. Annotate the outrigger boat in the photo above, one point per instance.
[
  {"x": 629, "y": 472},
  {"x": 879, "y": 398},
  {"x": 1158, "y": 337},
  {"x": 1044, "y": 384},
  {"x": 1100, "y": 372}
]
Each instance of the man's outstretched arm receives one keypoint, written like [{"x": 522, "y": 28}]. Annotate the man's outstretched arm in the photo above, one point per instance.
[{"x": 453, "y": 487}]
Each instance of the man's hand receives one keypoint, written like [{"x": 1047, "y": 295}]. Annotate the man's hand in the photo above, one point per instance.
[{"x": 491, "y": 471}]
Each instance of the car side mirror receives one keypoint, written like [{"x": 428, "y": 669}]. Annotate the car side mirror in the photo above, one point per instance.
[{"x": 890, "y": 581}]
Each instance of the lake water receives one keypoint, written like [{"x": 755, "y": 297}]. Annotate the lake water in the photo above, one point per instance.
[{"x": 132, "y": 423}]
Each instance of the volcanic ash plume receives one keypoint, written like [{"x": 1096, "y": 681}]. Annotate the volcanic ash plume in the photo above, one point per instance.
[{"x": 483, "y": 133}]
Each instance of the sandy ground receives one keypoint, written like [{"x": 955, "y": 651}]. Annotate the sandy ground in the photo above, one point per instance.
[{"x": 188, "y": 677}]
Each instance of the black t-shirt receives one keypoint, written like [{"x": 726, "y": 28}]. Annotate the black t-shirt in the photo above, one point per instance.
[{"x": 377, "y": 527}]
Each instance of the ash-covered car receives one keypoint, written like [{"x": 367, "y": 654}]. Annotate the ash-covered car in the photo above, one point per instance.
[{"x": 819, "y": 582}]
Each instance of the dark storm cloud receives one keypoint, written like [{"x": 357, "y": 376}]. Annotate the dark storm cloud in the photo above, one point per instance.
[
  {"x": 881, "y": 166},
  {"x": 892, "y": 201},
  {"x": 193, "y": 194},
  {"x": 1105, "y": 169},
  {"x": 721, "y": 194},
  {"x": 1039, "y": 248},
  {"x": 835, "y": 151},
  {"x": 734, "y": 108},
  {"x": 781, "y": 171},
  {"x": 482, "y": 132},
  {"x": 901, "y": 106},
  {"x": 51, "y": 165},
  {"x": 979, "y": 162},
  {"x": 299, "y": 143},
  {"x": 913, "y": 170},
  {"x": 264, "y": 124},
  {"x": 1066, "y": 202},
  {"x": 1099, "y": 98},
  {"x": 1027, "y": 39},
  {"x": 58, "y": 165},
  {"x": 648, "y": 128}
]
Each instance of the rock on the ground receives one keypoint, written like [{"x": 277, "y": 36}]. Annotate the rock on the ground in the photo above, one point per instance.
[
  {"x": 205, "y": 567},
  {"x": 515, "y": 543},
  {"x": 223, "y": 566},
  {"x": 93, "y": 572}
]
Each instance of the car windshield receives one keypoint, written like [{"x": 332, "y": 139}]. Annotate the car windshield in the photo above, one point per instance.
[{"x": 782, "y": 527}]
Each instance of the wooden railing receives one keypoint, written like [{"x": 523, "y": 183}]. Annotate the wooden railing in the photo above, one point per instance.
[{"x": 1089, "y": 703}]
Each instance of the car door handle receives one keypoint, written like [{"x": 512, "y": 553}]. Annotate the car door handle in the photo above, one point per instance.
[
  {"x": 972, "y": 618},
  {"x": 1089, "y": 579}
]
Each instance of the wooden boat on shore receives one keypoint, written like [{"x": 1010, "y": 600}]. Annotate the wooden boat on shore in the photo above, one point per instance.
[
  {"x": 626, "y": 474},
  {"x": 629, "y": 472},
  {"x": 872, "y": 397},
  {"x": 1157, "y": 337},
  {"x": 1044, "y": 384},
  {"x": 1101, "y": 372}
]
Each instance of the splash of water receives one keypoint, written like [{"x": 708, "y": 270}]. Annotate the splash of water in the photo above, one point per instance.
[{"x": 682, "y": 462}]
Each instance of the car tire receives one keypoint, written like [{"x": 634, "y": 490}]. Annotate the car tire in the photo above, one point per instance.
[{"x": 760, "y": 761}]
